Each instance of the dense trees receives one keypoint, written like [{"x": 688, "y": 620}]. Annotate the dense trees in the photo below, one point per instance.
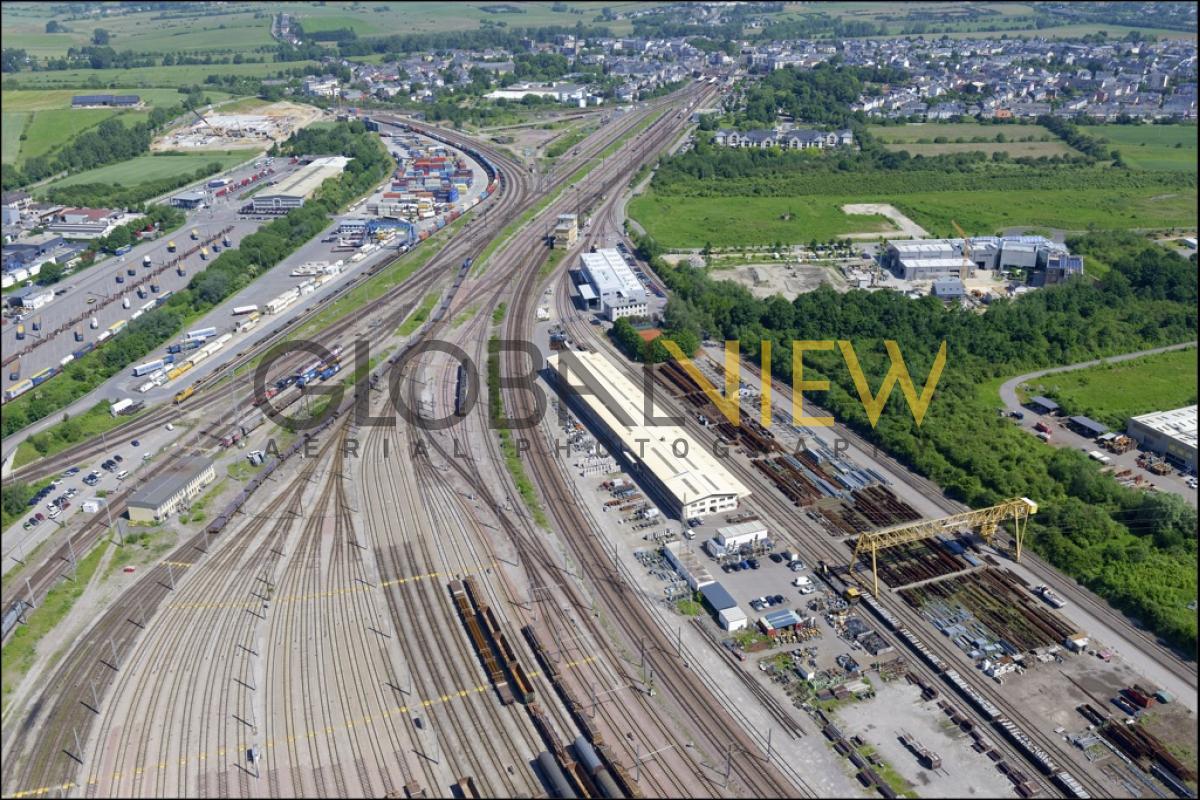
[
  {"x": 821, "y": 95},
  {"x": 1136, "y": 550}
]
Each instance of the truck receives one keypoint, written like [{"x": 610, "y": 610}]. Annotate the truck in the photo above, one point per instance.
[
  {"x": 204, "y": 254},
  {"x": 225, "y": 241},
  {"x": 195, "y": 234},
  {"x": 1051, "y": 598},
  {"x": 239, "y": 310},
  {"x": 122, "y": 250},
  {"x": 217, "y": 183},
  {"x": 171, "y": 246},
  {"x": 1041, "y": 427},
  {"x": 146, "y": 262},
  {"x": 201, "y": 333}
]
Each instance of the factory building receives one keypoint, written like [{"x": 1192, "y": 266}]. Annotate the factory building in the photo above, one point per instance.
[
  {"x": 610, "y": 285},
  {"x": 165, "y": 494},
  {"x": 1169, "y": 433},
  {"x": 686, "y": 479},
  {"x": 934, "y": 259},
  {"x": 299, "y": 187}
]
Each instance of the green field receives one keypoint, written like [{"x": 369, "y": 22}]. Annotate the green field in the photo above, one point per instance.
[
  {"x": 683, "y": 222},
  {"x": 151, "y": 168},
  {"x": 50, "y": 129},
  {"x": 1112, "y": 393},
  {"x": 12, "y": 124},
  {"x": 690, "y": 222},
  {"x": 51, "y": 99},
  {"x": 990, "y": 211},
  {"x": 139, "y": 77},
  {"x": 916, "y": 131},
  {"x": 1014, "y": 149},
  {"x": 1153, "y": 147},
  {"x": 426, "y": 17},
  {"x": 142, "y": 31}
]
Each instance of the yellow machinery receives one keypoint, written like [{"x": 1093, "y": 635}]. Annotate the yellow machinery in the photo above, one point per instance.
[
  {"x": 965, "y": 269},
  {"x": 986, "y": 520}
]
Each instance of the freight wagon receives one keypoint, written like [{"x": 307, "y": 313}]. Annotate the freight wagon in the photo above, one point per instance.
[{"x": 147, "y": 368}]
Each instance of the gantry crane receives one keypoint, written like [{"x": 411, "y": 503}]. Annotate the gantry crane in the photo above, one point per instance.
[
  {"x": 987, "y": 520},
  {"x": 965, "y": 269}
]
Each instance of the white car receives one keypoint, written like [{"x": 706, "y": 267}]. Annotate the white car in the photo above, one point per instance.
[
  {"x": 54, "y": 512},
  {"x": 802, "y": 580}
]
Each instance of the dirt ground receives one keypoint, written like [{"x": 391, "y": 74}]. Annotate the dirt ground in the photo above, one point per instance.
[
  {"x": 284, "y": 118},
  {"x": 903, "y": 224},
  {"x": 771, "y": 278}
]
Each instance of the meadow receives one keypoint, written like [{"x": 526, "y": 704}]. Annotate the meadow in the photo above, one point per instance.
[
  {"x": 151, "y": 168},
  {"x": 1112, "y": 393},
  {"x": 1014, "y": 149},
  {"x": 46, "y": 118},
  {"x": 1153, "y": 147},
  {"x": 12, "y": 125},
  {"x": 689, "y": 222},
  {"x": 916, "y": 131},
  {"x": 138, "y": 78}
]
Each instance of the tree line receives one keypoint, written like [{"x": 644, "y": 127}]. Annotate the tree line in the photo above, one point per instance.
[{"x": 1135, "y": 549}]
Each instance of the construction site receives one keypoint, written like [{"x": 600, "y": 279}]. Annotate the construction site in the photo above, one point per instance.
[{"x": 212, "y": 130}]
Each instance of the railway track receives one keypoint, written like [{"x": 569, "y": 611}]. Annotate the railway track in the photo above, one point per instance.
[
  {"x": 628, "y": 614},
  {"x": 37, "y": 768}
]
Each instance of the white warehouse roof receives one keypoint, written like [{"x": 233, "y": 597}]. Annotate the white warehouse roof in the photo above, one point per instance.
[
  {"x": 307, "y": 179},
  {"x": 609, "y": 274},
  {"x": 1178, "y": 424},
  {"x": 619, "y": 404}
]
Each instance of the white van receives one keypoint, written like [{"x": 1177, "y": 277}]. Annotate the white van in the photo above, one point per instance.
[{"x": 122, "y": 474}]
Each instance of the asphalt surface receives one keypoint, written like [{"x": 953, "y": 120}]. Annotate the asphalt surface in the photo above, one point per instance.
[
  {"x": 94, "y": 291},
  {"x": 1061, "y": 436}
]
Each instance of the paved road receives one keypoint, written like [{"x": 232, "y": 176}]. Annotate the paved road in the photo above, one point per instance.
[{"x": 1066, "y": 438}]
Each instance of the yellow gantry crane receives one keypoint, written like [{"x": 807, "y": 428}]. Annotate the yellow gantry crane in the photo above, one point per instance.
[
  {"x": 965, "y": 269},
  {"x": 986, "y": 520}
]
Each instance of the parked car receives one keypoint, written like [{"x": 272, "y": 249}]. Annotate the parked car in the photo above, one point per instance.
[
  {"x": 117, "y": 458},
  {"x": 136, "y": 443}
]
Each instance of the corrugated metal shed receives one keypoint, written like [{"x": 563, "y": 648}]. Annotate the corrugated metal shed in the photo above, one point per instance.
[{"x": 716, "y": 596}]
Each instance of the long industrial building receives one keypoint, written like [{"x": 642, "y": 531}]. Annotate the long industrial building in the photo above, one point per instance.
[
  {"x": 689, "y": 479},
  {"x": 299, "y": 187},
  {"x": 1170, "y": 433},
  {"x": 610, "y": 284},
  {"x": 934, "y": 259}
]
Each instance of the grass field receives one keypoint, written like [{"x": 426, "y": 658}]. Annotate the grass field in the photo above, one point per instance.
[
  {"x": 681, "y": 222},
  {"x": 51, "y": 99},
  {"x": 1153, "y": 147},
  {"x": 49, "y": 129},
  {"x": 59, "y": 437},
  {"x": 12, "y": 125},
  {"x": 989, "y": 211},
  {"x": 917, "y": 131},
  {"x": 1014, "y": 149},
  {"x": 142, "y": 31},
  {"x": 970, "y": 137},
  {"x": 1112, "y": 393},
  {"x": 151, "y": 168},
  {"x": 424, "y": 17},
  {"x": 139, "y": 77}
]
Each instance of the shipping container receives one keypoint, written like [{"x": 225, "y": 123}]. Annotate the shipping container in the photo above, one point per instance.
[
  {"x": 172, "y": 374},
  {"x": 118, "y": 407}
]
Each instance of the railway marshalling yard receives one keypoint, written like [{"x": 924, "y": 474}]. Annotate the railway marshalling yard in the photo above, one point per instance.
[{"x": 390, "y": 615}]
